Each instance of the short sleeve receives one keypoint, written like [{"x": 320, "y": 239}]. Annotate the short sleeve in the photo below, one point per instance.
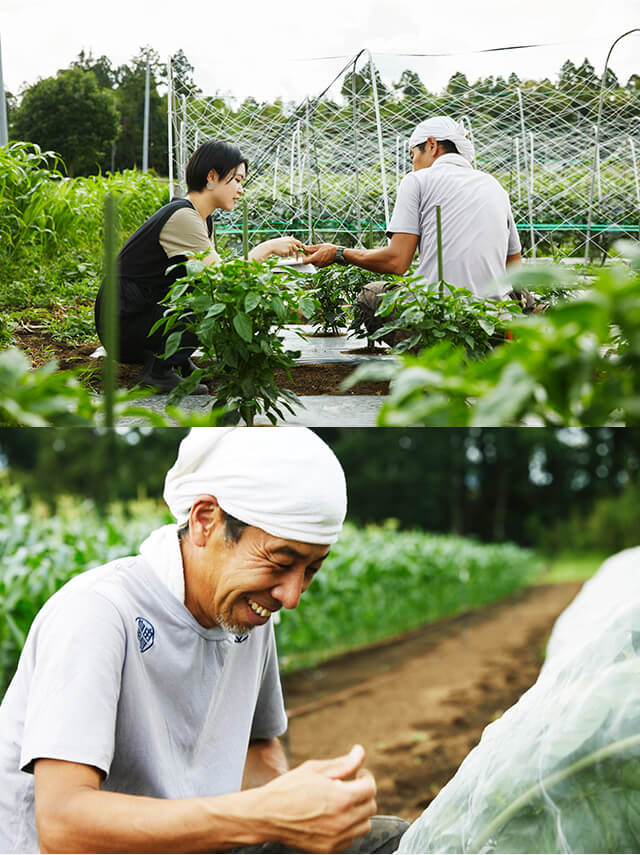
[
  {"x": 78, "y": 652},
  {"x": 185, "y": 231},
  {"x": 406, "y": 212},
  {"x": 514, "y": 246},
  {"x": 270, "y": 718}
]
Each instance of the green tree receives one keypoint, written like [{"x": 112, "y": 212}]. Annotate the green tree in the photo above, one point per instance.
[
  {"x": 364, "y": 84},
  {"x": 633, "y": 83},
  {"x": 71, "y": 115},
  {"x": 182, "y": 72},
  {"x": 458, "y": 84},
  {"x": 568, "y": 77},
  {"x": 130, "y": 100},
  {"x": 586, "y": 75},
  {"x": 105, "y": 73},
  {"x": 410, "y": 86}
]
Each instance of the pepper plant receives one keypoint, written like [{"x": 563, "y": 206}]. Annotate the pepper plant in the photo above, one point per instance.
[
  {"x": 427, "y": 314},
  {"x": 577, "y": 364},
  {"x": 236, "y": 310},
  {"x": 333, "y": 290}
]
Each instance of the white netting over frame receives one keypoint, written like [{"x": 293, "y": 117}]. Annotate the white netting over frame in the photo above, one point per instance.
[
  {"x": 560, "y": 770},
  {"x": 328, "y": 168}
]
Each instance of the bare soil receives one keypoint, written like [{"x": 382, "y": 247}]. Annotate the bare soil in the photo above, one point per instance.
[
  {"x": 418, "y": 703},
  {"x": 318, "y": 379}
]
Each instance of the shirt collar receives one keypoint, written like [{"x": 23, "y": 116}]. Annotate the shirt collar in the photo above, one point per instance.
[{"x": 453, "y": 159}]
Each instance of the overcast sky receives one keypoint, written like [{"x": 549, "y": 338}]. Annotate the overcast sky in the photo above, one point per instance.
[{"x": 274, "y": 48}]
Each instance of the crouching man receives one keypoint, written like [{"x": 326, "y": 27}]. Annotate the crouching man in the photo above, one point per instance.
[
  {"x": 146, "y": 709},
  {"x": 479, "y": 235}
]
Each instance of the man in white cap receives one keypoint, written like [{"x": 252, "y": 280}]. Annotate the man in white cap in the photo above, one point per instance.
[
  {"x": 146, "y": 708},
  {"x": 479, "y": 236}
]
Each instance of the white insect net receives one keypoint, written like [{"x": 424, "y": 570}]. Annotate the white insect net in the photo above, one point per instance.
[
  {"x": 329, "y": 167},
  {"x": 560, "y": 770}
]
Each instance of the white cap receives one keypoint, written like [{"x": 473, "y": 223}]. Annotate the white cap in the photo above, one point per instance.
[
  {"x": 284, "y": 480},
  {"x": 443, "y": 128}
]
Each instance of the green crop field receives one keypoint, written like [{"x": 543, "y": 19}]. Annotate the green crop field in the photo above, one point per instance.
[
  {"x": 574, "y": 363},
  {"x": 377, "y": 581}
]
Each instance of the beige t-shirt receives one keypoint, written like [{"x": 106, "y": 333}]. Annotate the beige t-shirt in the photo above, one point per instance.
[{"x": 185, "y": 232}]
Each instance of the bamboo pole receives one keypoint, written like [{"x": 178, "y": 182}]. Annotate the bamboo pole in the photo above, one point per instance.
[{"x": 111, "y": 305}]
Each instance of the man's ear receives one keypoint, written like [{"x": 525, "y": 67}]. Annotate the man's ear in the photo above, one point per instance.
[{"x": 205, "y": 515}]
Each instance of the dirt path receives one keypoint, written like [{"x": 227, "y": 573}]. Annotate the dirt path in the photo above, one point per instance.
[{"x": 419, "y": 704}]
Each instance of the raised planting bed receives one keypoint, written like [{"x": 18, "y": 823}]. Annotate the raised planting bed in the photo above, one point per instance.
[{"x": 324, "y": 363}]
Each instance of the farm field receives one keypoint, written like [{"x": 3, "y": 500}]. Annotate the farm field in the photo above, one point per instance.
[
  {"x": 468, "y": 670},
  {"x": 573, "y": 363}
]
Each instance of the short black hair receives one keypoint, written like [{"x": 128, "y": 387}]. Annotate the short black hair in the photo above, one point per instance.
[
  {"x": 224, "y": 157},
  {"x": 447, "y": 145},
  {"x": 233, "y": 528}
]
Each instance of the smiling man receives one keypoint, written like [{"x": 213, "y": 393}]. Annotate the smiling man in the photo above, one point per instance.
[{"x": 146, "y": 708}]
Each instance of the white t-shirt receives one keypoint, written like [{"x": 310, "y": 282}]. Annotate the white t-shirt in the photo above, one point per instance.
[
  {"x": 116, "y": 673},
  {"x": 478, "y": 229}
]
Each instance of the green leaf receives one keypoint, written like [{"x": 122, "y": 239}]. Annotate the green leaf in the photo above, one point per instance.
[
  {"x": 251, "y": 301},
  {"x": 279, "y": 308},
  {"x": 243, "y": 326},
  {"x": 216, "y": 309},
  {"x": 173, "y": 343},
  {"x": 487, "y": 326},
  {"x": 504, "y": 403},
  {"x": 307, "y": 306}
]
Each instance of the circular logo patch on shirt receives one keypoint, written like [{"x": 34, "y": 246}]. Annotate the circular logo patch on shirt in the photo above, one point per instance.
[{"x": 146, "y": 633}]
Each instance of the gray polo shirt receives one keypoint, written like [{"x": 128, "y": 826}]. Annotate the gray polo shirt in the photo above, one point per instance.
[
  {"x": 478, "y": 230},
  {"x": 116, "y": 673}
]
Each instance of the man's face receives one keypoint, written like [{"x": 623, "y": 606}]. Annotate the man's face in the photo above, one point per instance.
[{"x": 240, "y": 585}]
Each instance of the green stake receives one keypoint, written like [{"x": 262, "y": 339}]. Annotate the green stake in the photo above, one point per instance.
[
  {"x": 439, "y": 240},
  {"x": 111, "y": 306},
  {"x": 370, "y": 235},
  {"x": 245, "y": 229}
]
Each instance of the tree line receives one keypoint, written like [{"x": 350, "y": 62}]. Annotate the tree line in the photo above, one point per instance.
[
  {"x": 92, "y": 112},
  {"x": 532, "y": 486}
]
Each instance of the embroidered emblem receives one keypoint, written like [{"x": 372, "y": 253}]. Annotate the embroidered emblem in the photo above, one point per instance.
[
  {"x": 146, "y": 633},
  {"x": 240, "y": 638}
]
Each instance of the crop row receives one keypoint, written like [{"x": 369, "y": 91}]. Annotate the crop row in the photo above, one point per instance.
[{"x": 377, "y": 581}]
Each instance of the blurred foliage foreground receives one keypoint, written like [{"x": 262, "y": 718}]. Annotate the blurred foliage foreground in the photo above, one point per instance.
[
  {"x": 378, "y": 581},
  {"x": 577, "y": 364}
]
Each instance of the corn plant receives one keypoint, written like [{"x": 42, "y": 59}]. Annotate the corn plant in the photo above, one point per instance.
[{"x": 379, "y": 581}]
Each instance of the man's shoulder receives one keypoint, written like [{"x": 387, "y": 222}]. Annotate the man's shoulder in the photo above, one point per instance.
[{"x": 103, "y": 585}]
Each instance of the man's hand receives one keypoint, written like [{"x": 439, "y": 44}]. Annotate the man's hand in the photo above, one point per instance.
[
  {"x": 320, "y": 254},
  {"x": 316, "y": 808}
]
